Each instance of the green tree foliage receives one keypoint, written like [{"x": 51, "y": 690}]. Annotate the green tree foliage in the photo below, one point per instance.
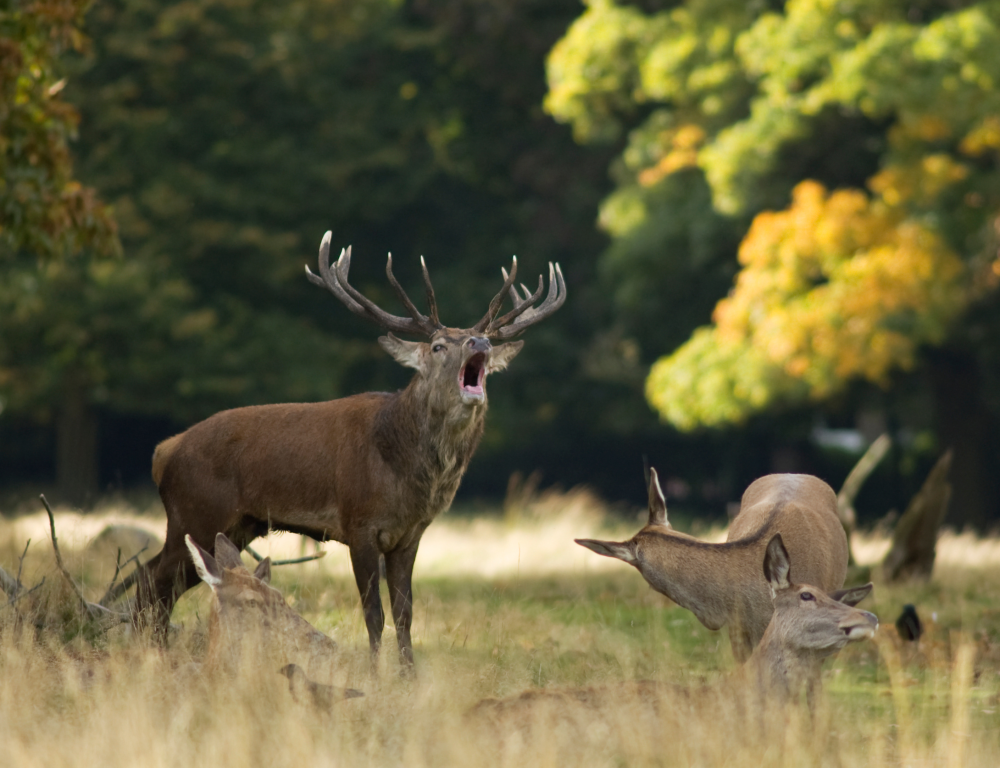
[
  {"x": 230, "y": 134},
  {"x": 837, "y": 286},
  {"x": 853, "y": 148},
  {"x": 43, "y": 209}
]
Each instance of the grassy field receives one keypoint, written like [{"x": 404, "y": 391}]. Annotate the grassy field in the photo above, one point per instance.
[{"x": 504, "y": 604}]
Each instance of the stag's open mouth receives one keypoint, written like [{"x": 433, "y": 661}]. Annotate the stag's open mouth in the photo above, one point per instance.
[{"x": 470, "y": 379}]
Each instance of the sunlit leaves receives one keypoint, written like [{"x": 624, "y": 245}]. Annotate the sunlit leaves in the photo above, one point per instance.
[
  {"x": 837, "y": 286},
  {"x": 893, "y": 105}
]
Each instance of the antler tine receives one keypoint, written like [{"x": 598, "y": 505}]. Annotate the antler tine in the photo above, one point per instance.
[
  {"x": 327, "y": 279},
  {"x": 498, "y": 299},
  {"x": 428, "y": 324},
  {"x": 529, "y": 316},
  {"x": 432, "y": 306},
  {"x": 520, "y": 305},
  {"x": 334, "y": 279}
]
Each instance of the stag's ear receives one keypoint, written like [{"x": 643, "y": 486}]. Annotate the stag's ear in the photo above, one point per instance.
[
  {"x": 263, "y": 570},
  {"x": 208, "y": 570},
  {"x": 777, "y": 564},
  {"x": 226, "y": 553},
  {"x": 657, "y": 502},
  {"x": 852, "y": 595},
  {"x": 501, "y": 356},
  {"x": 624, "y": 550},
  {"x": 408, "y": 353}
]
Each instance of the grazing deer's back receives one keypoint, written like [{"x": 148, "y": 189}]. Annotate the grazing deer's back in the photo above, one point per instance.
[{"x": 803, "y": 509}]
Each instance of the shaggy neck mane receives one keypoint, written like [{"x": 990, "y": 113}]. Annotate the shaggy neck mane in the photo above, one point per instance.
[{"x": 415, "y": 436}]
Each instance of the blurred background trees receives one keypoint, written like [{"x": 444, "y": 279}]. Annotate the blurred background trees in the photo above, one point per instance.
[
  {"x": 832, "y": 168},
  {"x": 854, "y": 146}
]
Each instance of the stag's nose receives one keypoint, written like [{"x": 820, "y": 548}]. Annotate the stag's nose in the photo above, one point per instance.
[{"x": 479, "y": 344}]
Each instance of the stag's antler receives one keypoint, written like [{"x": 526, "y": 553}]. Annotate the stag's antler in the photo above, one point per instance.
[
  {"x": 335, "y": 280},
  {"x": 523, "y": 314}
]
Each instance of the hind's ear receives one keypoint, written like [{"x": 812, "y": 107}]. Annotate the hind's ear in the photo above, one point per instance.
[
  {"x": 226, "y": 552},
  {"x": 657, "y": 501},
  {"x": 208, "y": 569},
  {"x": 624, "y": 550},
  {"x": 852, "y": 595},
  {"x": 777, "y": 564},
  {"x": 263, "y": 570}
]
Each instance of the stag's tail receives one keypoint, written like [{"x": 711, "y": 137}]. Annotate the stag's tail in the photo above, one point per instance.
[{"x": 162, "y": 455}]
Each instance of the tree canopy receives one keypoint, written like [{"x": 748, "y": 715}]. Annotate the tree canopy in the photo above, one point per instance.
[{"x": 900, "y": 98}]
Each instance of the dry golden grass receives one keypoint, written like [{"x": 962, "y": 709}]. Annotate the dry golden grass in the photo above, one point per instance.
[{"x": 503, "y": 604}]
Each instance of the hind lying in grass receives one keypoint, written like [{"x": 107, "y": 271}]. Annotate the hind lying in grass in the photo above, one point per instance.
[
  {"x": 807, "y": 626},
  {"x": 252, "y": 627}
]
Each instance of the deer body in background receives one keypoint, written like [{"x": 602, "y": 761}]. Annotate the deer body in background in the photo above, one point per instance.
[
  {"x": 370, "y": 470},
  {"x": 722, "y": 584},
  {"x": 251, "y": 626},
  {"x": 807, "y": 626}
]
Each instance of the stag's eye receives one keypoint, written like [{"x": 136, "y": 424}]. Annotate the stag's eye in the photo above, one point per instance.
[
  {"x": 807, "y": 596},
  {"x": 437, "y": 348}
]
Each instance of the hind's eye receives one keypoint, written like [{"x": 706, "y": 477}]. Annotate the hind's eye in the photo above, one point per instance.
[
  {"x": 437, "y": 348},
  {"x": 807, "y": 596}
]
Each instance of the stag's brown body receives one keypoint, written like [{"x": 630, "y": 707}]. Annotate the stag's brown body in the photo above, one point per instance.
[
  {"x": 370, "y": 470},
  {"x": 239, "y": 460}
]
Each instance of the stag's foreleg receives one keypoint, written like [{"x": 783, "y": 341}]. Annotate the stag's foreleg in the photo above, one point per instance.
[
  {"x": 365, "y": 562},
  {"x": 399, "y": 575}
]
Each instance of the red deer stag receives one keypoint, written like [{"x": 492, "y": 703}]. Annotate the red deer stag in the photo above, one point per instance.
[{"x": 371, "y": 470}]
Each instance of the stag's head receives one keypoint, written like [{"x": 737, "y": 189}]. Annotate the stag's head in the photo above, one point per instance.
[
  {"x": 251, "y": 624},
  {"x": 453, "y": 362}
]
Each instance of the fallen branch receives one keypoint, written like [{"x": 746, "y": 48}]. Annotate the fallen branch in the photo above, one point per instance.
[
  {"x": 113, "y": 592},
  {"x": 856, "y": 478},
  {"x": 292, "y": 561},
  {"x": 93, "y": 610},
  {"x": 27, "y": 592}
]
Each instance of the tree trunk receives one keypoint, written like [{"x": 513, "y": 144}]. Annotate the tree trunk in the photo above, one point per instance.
[
  {"x": 966, "y": 425},
  {"x": 76, "y": 448}
]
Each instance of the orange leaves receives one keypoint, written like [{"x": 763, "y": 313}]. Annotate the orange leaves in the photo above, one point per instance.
[
  {"x": 682, "y": 152},
  {"x": 836, "y": 286}
]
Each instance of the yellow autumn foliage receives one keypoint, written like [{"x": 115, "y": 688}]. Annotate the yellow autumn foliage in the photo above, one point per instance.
[{"x": 837, "y": 286}]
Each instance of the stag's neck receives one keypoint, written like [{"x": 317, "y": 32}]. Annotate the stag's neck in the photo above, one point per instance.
[
  {"x": 699, "y": 575},
  {"x": 420, "y": 436}
]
